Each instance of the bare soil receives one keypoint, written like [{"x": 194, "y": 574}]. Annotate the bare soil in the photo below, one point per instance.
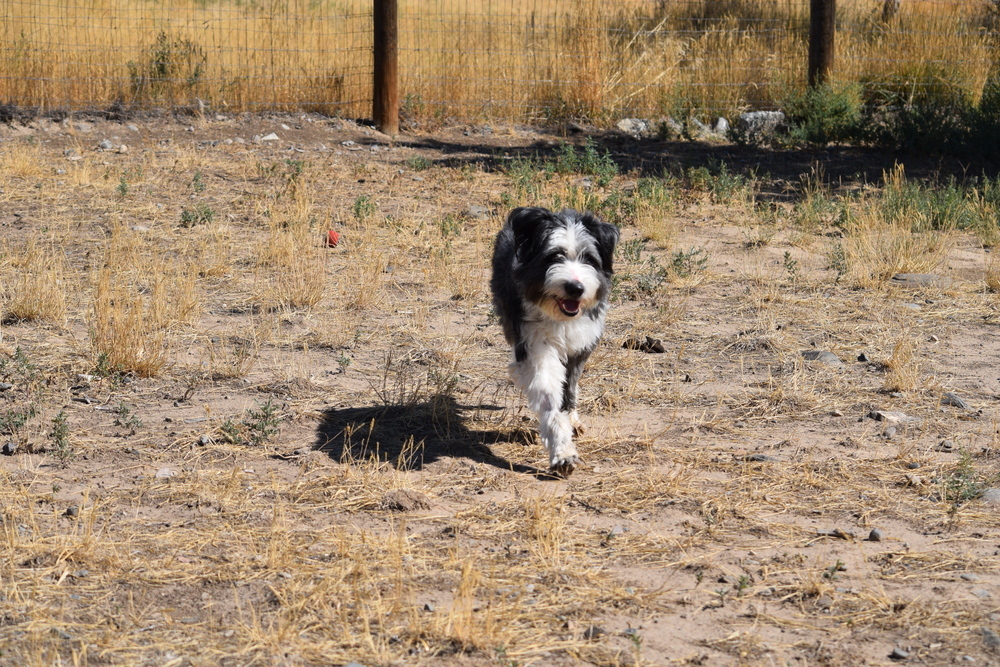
[{"x": 359, "y": 481}]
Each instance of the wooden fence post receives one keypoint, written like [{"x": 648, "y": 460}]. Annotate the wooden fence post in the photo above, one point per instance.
[
  {"x": 822, "y": 29},
  {"x": 385, "y": 94}
]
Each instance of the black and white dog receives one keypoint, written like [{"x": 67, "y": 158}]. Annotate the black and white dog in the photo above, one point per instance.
[{"x": 550, "y": 284}]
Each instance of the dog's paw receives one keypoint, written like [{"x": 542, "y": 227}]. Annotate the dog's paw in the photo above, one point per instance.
[
  {"x": 564, "y": 466},
  {"x": 579, "y": 428}
]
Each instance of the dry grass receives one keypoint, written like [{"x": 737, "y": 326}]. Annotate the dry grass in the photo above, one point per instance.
[
  {"x": 241, "y": 446},
  {"x": 495, "y": 60}
]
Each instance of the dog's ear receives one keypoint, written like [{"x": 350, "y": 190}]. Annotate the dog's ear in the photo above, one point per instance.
[
  {"x": 529, "y": 224},
  {"x": 606, "y": 236}
]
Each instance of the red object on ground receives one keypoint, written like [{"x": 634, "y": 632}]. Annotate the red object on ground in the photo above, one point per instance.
[{"x": 332, "y": 239}]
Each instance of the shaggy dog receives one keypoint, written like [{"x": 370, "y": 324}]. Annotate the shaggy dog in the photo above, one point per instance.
[{"x": 550, "y": 284}]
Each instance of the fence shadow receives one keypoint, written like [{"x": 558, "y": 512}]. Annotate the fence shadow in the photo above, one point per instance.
[
  {"x": 410, "y": 436},
  {"x": 784, "y": 168}
]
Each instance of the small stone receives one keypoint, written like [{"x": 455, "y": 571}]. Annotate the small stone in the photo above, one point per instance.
[
  {"x": 270, "y": 137},
  {"x": 864, "y": 358},
  {"x": 889, "y": 432},
  {"x": 105, "y": 145},
  {"x": 73, "y": 510},
  {"x": 428, "y": 607},
  {"x": 477, "y": 212},
  {"x": 9, "y": 448},
  {"x": 969, "y": 576},
  {"x": 892, "y": 417},
  {"x": 584, "y": 183},
  {"x": 593, "y": 632},
  {"x": 824, "y": 357},
  {"x": 4, "y": 386},
  {"x": 165, "y": 473},
  {"x": 132, "y": 127},
  {"x": 945, "y": 446},
  {"x": 756, "y": 127},
  {"x": 205, "y": 440},
  {"x": 982, "y": 594},
  {"x": 913, "y": 465},
  {"x": 991, "y": 496},
  {"x": 953, "y": 399},
  {"x": 635, "y": 127},
  {"x": 720, "y": 126},
  {"x": 354, "y": 664},
  {"x": 80, "y": 574},
  {"x": 899, "y": 654},
  {"x": 836, "y": 413},
  {"x": 990, "y": 638},
  {"x": 919, "y": 280},
  {"x": 140, "y": 228},
  {"x": 877, "y": 535}
]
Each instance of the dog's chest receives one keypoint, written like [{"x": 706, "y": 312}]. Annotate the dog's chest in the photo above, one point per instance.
[{"x": 568, "y": 338}]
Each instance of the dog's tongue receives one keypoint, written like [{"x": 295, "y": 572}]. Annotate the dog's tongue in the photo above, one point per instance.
[{"x": 570, "y": 306}]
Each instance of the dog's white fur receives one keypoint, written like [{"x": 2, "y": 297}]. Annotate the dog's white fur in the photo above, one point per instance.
[{"x": 551, "y": 280}]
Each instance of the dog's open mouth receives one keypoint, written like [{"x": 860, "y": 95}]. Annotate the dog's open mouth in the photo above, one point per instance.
[{"x": 569, "y": 307}]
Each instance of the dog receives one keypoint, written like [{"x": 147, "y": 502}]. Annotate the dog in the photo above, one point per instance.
[{"x": 551, "y": 282}]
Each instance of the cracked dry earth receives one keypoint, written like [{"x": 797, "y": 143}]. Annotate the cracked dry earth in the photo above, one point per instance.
[{"x": 328, "y": 463}]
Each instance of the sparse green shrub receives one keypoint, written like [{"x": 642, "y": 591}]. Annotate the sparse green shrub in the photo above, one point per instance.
[
  {"x": 823, "y": 114},
  {"x": 202, "y": 214}
]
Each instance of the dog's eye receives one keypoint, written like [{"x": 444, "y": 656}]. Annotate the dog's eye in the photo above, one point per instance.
[
  {"x": 592, "y": 260},
  {"x": 557, "y": 256}
]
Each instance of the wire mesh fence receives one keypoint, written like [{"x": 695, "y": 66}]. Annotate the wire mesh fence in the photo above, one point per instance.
[{"x": 484, "y": 59}]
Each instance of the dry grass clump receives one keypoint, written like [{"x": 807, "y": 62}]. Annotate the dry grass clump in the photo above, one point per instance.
[
  {"x": 35, "y": 283},
  {"x": 902, "y": 367},
  {"x": 124, "y": 334}
]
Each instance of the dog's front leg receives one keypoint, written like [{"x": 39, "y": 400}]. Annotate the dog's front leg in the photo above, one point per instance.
[{"x": 542, "y": 377}]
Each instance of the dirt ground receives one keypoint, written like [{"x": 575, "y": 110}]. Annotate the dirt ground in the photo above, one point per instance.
[{"x": 345, "y": 475}]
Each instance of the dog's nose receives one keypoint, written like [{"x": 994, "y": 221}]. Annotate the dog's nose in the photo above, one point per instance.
[{"x": 573, "y": 289}]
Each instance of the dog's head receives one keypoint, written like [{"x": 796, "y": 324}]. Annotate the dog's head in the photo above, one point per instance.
[{"x": 564, "y": 259}]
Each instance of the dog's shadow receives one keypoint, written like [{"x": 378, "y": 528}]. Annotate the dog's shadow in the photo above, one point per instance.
[{"x": 412, "y": 435}]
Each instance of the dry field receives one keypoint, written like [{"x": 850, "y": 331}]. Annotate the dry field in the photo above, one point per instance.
[{"x": 235, "y": 445}]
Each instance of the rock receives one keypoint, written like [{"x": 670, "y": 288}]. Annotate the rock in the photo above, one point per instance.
[
  {"x": 636, "y": 127},
  {"x": 919, "y": 280},
  {"x": 913, "y": 465},
  {"x": 969, "y": 576},
  {"x": 953, "y": 399},
  {"x": 72, "y": 510},
  {"x": 899, "y": 654},
  {"x": 877, "y": 535},
  {"x": 585, "y": 183},
  {"x": 758, "y": 127},
  {"x": 668, "y": 128},
  {"x": 720, "y": 126},
  {"x": 982, "y": 594},
  {"x": 991, "y": 496},
  {"x": 82, "y": 126},
  {"x": 428, "y": 607},
  {"x": 945, "y": 446},
  {"x": 205, "y": 440},
  {"x": 593, "y": 632},
  {"x": 650, "y": 345},
  {"x": 9, "y": 449},
  {"x": 760, "y": 458},
  {"x": 477, "y": 212},
  {"x": 140, "y": 228},
  {"x": 824, "y": 357},
  {"x": 4, "y": 386},
  {"x": 864, "y": 357},
  {"x": 165, "y": 473},
  {"x": 405, "y": 500},
  {"x": 132, "y": 127},
  {"x": 990, "y": 638},
  {"x": 270, "y": 137},
  {"x": 105, "y": 145},
  {"x": 889, "y": 433},
  {"x": 891, "y": 417}
]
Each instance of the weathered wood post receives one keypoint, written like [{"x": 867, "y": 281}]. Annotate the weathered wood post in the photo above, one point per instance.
[
  {"x": 822, "y": 29},
  {"x": 385, "y": 94}
]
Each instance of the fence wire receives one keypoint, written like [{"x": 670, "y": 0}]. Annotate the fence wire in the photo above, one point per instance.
[{"x": 485, "y": 59}]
